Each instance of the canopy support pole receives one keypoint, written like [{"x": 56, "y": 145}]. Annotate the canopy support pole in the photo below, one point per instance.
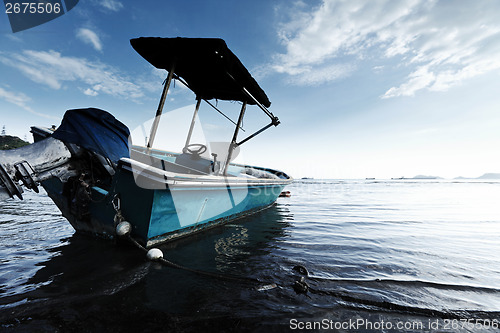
[
  {"x": 233, "y": 144},
  {"x": 178, "y": 78},
  {"x": 190, "y": 133},
  {"x": 255, "y": 134},
  {"x": 274, "y": 120},
  {"x": 159, "y": 111}
]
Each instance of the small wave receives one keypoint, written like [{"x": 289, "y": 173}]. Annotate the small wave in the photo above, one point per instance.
[
  {"x": 352, "y": 301},
  {"x": 410, "y": 283}
]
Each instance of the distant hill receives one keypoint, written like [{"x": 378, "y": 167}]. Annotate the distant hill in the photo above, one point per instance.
[
  {"x": 490, "y": 176},
  {"x": 11, "y": 142},
  {"x": 426, "y": 177}
]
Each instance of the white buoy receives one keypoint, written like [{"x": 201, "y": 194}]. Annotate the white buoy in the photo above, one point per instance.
[
  {"x": 123, "y": 229},
  {"x": 154, "y": 254}
]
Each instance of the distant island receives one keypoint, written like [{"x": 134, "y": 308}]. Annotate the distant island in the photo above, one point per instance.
[
  {"x": 11, "y": 142},
  {"x": 489, "y": 176},
  {"x": 426, "y": 177},
  {"x": 416, "y": 177}
]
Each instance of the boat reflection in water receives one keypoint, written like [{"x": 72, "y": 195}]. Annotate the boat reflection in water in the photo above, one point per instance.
[
  {"x": 235, "y": 250},
  {"x": 99, "y": 278}
]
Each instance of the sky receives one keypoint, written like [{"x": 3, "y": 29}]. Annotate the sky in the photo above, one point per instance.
[{"x": 373, "y": 88}]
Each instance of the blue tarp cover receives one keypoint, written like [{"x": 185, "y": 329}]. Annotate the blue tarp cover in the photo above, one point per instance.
[{"x": 95, "y": 130}]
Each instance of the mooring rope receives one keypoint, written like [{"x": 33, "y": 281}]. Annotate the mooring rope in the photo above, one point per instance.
[
  {"x": 168, "y": 263},
  {"x": 300, "y": 286}
]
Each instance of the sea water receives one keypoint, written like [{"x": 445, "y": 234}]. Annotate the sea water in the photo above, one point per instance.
[{"x": 380, "y": 255}]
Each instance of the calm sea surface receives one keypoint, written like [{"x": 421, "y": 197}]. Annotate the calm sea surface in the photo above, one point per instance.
[{"x": 405, "y": 255}]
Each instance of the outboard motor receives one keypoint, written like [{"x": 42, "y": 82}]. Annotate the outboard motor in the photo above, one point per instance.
[
  {"x": 88, "y": 140},
  {"x": 29, "y": 165}
]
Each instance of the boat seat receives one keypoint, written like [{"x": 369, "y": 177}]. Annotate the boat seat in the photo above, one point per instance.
[
  {"x": 195, "y": 162},
  {"x": 163, "y": 164}
]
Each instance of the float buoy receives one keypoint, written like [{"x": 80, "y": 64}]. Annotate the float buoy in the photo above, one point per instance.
[
  {"x": 155, "y": 254},
  {"x": 123, "y": 229}
]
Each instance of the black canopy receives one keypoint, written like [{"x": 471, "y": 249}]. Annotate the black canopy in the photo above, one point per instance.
[{"x": 207, "y": 65}]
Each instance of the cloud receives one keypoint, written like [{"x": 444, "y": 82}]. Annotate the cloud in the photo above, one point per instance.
[
  {"x": 54, "y": 70},
  {"x": 112, "y": 5},
  {"x": 89, "y": 37},
  {"x": 90, "y": 92},
  {"x": 311, "y": 76},
  {"x": 417, "y": 80},
  {"x": 438, "y": 43},
  {"x": 20, "y": 100}
]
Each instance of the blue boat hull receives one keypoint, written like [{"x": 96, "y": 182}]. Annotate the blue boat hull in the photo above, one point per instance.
[
  {"x": 198, "y": 209},
  {"x": 165, "y": 212}
]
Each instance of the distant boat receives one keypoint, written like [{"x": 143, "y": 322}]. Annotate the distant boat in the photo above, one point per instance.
[
  {"x": 98, "y": 182},
  {"x": 306, "y": 178}
]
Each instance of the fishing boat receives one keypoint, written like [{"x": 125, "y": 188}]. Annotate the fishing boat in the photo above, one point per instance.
[{"x": 99, "y": 179}]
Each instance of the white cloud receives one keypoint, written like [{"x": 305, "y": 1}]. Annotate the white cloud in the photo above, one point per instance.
[
  {"x": 319, "y": 74},
  {"x": 439, "y": 43},
  {"x": 53, "y": 70},
  {"x": 89, "y": 37},
  {"x": 112, "y": 5},
  {"x": 90, "y": 92},
  {"x": 419, "y": 79},
  {"x": 20, "y": 100}
]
